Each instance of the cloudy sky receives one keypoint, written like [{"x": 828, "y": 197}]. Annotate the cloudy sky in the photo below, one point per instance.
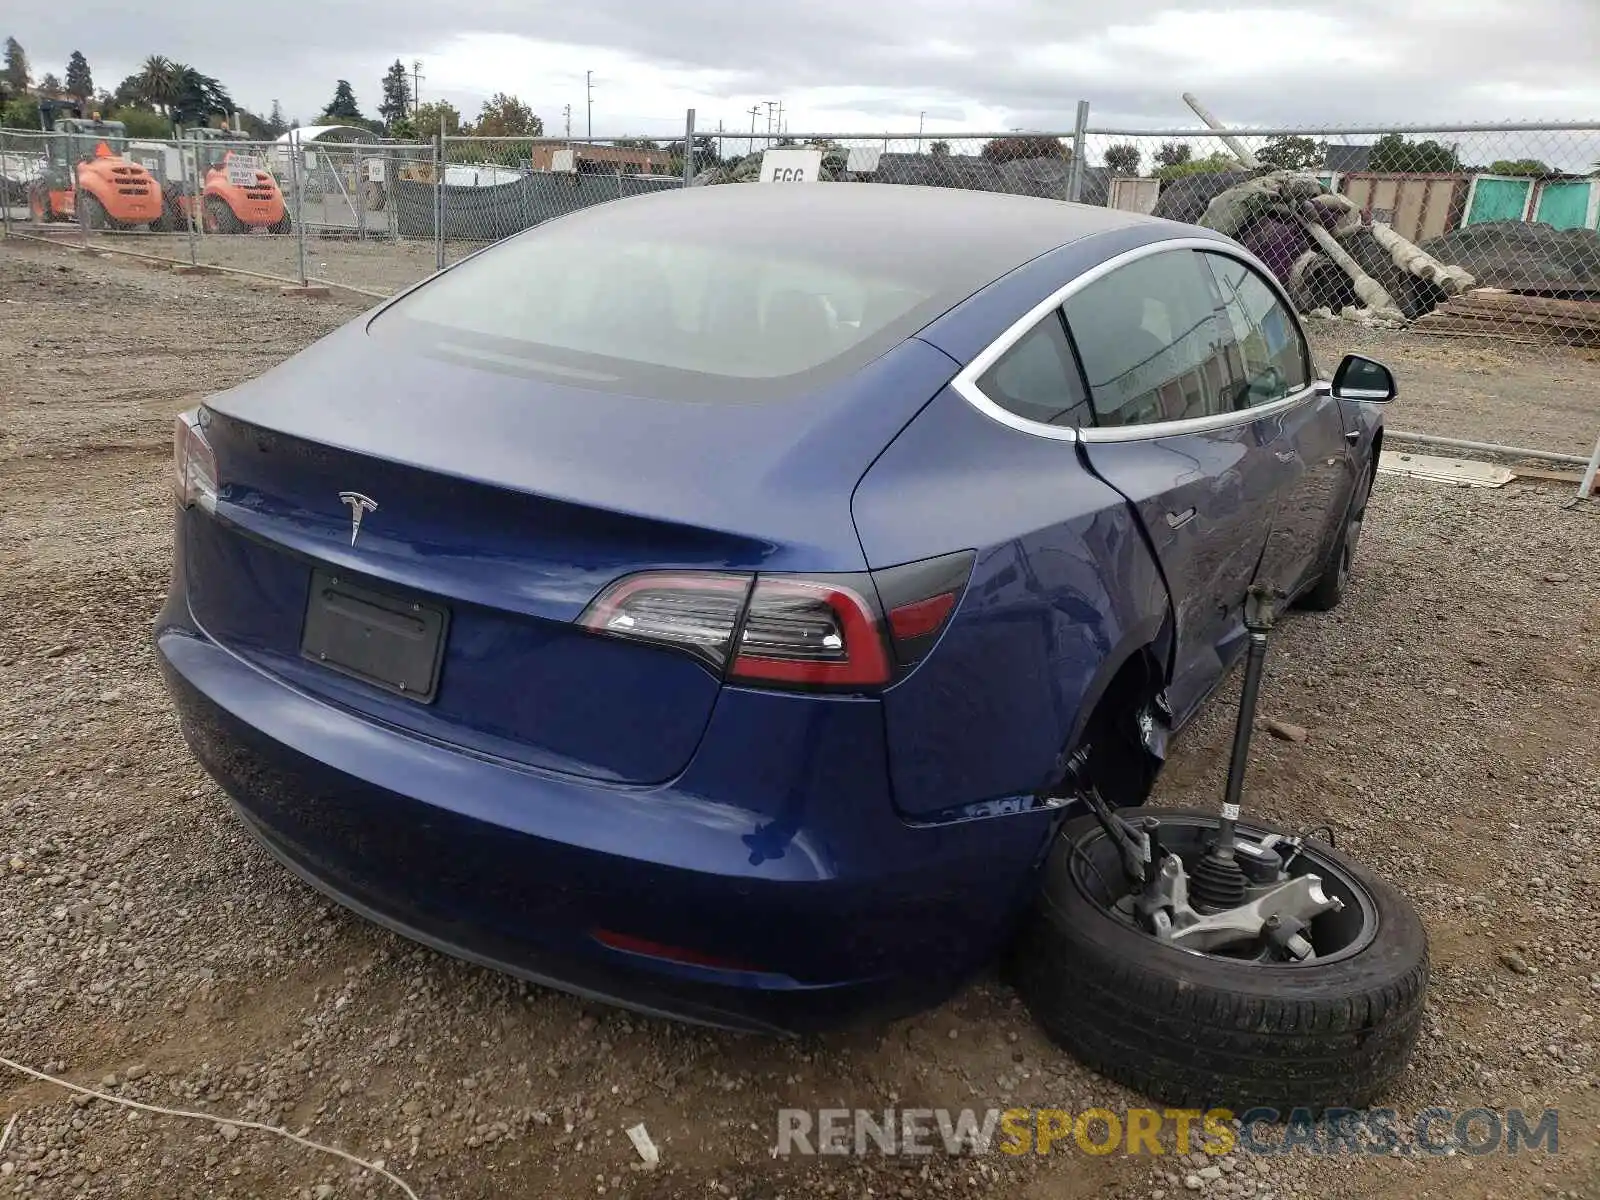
[{"x": 846, "y": 65}]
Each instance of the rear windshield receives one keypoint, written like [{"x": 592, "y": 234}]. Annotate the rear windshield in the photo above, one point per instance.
[{"x": 623, "y": 304}]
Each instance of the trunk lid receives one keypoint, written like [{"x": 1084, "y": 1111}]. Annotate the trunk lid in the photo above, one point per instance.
[{"x": 509, "y": 503}]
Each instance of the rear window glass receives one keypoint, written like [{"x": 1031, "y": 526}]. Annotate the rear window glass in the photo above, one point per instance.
[{"x": 609, "y": 304}]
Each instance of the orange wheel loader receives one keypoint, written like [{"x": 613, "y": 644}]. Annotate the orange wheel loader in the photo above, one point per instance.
[{"x": 86, "y": 178}]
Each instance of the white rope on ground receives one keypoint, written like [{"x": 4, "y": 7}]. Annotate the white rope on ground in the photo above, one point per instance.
[
  {"x": 199, "y": 1116},
  {"x": 6, "y": 1136}
]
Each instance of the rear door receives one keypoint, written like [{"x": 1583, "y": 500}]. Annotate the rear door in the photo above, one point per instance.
[{"x": 1173, "y": 432}]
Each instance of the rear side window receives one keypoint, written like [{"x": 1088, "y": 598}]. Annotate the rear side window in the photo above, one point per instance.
[
  {"x": 708, "y": 316},
  {"x": 1038, "y": 378},
  {"x": 1155, "y": 342},
  {"x": 1272, "y": 356}
]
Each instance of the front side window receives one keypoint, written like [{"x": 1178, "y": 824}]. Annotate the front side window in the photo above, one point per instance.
[
  {"x": 1155, "y": 342},
  {"x": 1037, "y": 378},
  {"x": 1271, "y": 353}
]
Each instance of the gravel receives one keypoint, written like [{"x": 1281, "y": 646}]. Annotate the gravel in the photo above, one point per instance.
[{"x": 151, "y": 950}]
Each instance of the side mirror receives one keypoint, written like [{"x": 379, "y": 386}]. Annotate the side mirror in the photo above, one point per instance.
[{"x": 1366, "y": 379}]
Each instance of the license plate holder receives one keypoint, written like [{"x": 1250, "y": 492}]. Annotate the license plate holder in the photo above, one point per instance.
[{"x": 386, "y": 640}]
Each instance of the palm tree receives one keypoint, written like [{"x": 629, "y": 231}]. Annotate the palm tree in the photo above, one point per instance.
[{"x": 158, "y": 83}]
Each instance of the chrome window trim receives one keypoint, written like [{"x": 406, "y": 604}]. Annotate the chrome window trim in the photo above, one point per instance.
[{"x": 966, "y": 380}]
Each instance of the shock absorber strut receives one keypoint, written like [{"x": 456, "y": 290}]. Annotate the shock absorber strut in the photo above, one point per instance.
[{"x": 1217, "y": 881}]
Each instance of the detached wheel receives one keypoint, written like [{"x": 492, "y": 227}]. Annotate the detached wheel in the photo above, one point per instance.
[
  {"x": 1330, "y": 589},
  {"x": 1234, "y": 1028}
]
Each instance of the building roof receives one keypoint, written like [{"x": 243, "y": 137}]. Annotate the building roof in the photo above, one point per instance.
[{"x": 332, "y": 133}]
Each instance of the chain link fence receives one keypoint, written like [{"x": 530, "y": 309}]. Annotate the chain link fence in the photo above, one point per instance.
[{"x": 1422, "y": 245}]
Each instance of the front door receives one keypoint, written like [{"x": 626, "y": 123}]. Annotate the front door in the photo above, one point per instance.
[
  {"x": 1192, "y": 438},
  {"x": 1309, "y": 434}
]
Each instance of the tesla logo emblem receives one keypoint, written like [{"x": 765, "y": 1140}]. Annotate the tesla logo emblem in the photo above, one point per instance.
[{"x": 359, "y": 507}]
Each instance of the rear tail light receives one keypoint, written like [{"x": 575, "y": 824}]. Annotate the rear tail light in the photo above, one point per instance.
[
  {"x": 803, "y": 631},
  {"x": 835, "y": 632},
  {"x": 694, "y": 612},
  {"x": 194, "y": 465}
]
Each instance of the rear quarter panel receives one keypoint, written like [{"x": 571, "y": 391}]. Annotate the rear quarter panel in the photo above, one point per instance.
[{"x": 1064, "y": 589}]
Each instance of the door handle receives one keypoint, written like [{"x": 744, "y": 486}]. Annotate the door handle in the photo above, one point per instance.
[
  {"x": 1175, "y": 519},
  {"x": 1353, "y": 436}
]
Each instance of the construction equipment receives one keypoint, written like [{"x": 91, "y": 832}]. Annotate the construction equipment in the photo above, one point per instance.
[
  {"x": 211, "y": 179},
  {"x": 85, "y": 177}
]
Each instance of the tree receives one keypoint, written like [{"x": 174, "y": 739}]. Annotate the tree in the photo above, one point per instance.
[
  {"x": 396, "y": 104},
  {"x": 1172, "y": 154},
  {"x": 1394, "y": 154},
  {"x": 429, "y": 117},
  {"x": 1123, "y": 159},
  {"x": 80, "y": 85},
  {"x": 506, "y": 116},
  {"x": 142, "y": 123},
  {"x": 1010, "y": 149},
  {"x": 343, "y": 107},
  {"x": 1520, "y": 166},
  {"x": 275, "y": 126},
  {"x": 940, "y": 149},
  {"x": 50, "y": 87},
  {"x": 198, "y": 97},
  {"x": 1286, "y": 153},
  {"x": 158, "y": 83},
  {"x": 1211, "y": 164},
  {"x": 15, "y": 77},
  {"x": 21, "y": 113}
]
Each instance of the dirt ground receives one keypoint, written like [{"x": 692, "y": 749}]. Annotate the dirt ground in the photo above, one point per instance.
[{"x": 148, "y": 947}]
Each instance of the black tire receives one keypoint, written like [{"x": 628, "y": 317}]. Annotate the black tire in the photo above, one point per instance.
[
  {"x": 1325, "y": 594},
  {"x": 1205, "y": 1031},
  {"x": 219, "y": 218},
  {"x": 92, "y": 213},
  {"x": 282, "y": 225}
]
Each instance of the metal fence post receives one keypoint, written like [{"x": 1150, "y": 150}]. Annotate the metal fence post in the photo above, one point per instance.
[
  {"x": 1075, "y": 169},
  {"x": 190, "y": 213},
  {"x": 297, "y": 187},
  {"x": 1591, "y": 472},
  {"x": 5, "y": 187},
  {"x": 688, "y": 149},
  {"x": 438, "y": 197}
]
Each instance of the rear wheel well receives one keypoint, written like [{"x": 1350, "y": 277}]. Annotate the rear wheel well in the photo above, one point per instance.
[{"x": 1118, "y": 758}]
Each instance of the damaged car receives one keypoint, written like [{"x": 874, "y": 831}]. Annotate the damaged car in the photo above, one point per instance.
[{"x": 766, "y": 605}]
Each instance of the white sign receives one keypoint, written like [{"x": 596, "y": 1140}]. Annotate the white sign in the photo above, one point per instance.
[
  {"x": 791, "y": 165},
  {"x": 242, "y": 170},
  {"x": 563, "y": 160},
  {"x": 863, "y": 160},
  {"x": 375, "y": 170}
]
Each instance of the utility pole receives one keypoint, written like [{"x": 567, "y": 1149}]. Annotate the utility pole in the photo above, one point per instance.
[
  {"x": 771, "y": 105},
  {"x": 416, "y": 85},
  {"x": 780, "y": 118},
  {"x": 755, "y": 110},
  {"x": 588, "y": 87},
  {"x": 921, "y": 117},
  {"x": 566, "y": 111}
]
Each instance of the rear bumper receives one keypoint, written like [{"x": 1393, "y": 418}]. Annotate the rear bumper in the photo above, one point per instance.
[{"x": 826, "y": 911}]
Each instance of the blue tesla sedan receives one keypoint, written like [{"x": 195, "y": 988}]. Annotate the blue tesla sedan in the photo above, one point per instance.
[{"x": 695, "y": 602}]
